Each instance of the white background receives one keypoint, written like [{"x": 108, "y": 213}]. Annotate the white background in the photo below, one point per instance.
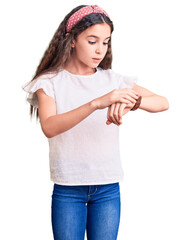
[{"x": 150, "y": 41}]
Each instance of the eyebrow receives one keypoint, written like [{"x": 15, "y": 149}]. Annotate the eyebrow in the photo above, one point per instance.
[{"x": 97, "y": 36}]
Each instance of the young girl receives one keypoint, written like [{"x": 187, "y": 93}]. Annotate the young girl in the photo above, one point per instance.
[{"x": 80, "y": 102}]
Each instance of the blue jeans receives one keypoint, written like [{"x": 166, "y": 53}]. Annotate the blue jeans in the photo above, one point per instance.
[{"x": 95, "y": 208}]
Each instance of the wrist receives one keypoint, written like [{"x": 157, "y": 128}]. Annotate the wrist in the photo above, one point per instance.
[{"x": 94, "y": 104}]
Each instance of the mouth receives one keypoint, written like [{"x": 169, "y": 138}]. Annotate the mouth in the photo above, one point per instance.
[{"x": 97, "y": 59}]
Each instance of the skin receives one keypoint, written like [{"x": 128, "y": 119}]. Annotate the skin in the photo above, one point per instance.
[
  {"x": 151, "y": 102},
  {"x": 86, "y": 47},
  {"x": 93, "y": 43}
]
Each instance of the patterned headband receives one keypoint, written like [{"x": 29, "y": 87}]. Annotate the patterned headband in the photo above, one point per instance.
[{"x": 77, "y": 16}]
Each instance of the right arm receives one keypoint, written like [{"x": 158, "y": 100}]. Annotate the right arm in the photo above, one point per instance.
[{"x": 53, "y": 124}]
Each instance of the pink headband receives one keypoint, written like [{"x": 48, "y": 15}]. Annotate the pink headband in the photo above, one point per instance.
[{"x": 77, "y": 16}]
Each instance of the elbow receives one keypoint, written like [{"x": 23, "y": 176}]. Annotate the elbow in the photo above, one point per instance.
[
  {"x": 167, "y": 107},
  {"x": 47, "y": 130},
  {"x": 47, "y": 133},
  {"x": 166, "y": 104},
  {"x": 163, "y": 105}
]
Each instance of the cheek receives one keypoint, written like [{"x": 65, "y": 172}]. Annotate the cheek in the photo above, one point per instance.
[
  {"x": 82, "y": 49},
  {"x": 86, "y": 51},
  {"x": 105, "y": 51}
]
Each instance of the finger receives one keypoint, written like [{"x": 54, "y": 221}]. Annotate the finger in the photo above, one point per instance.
[
  {"x": 130, "y": 105},
  {"x": 124, "y": 100},
  {"x": 126, "y": 110},
  {"x": 133, "y": 95},
  {"x": 108, "y": 112},
  {"x": 130, "y": 98},
  {"x": 116, "y": 113},
  {"x": 108, "y": 122},
  {"x": 108, "y": 116},
  {"x": 129, "y": 90},
  {"x": 111, "y": 114},
  {"x": 120, "y": 113},
  {"x": 133, "y": 91}
]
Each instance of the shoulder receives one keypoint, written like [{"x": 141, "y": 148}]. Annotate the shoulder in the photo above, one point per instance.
[{"x": 49, "y": 76}]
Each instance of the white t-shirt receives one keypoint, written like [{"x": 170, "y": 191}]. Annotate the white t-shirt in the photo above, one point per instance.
[{"x": 88, "y": 153}]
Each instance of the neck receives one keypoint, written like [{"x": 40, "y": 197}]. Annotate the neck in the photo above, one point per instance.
[{"x": 78, "y": 68}]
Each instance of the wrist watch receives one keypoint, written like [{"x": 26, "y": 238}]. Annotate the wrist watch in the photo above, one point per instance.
[{"x": 137, "y": 104}]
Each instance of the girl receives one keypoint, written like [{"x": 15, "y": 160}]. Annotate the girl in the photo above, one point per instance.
[{"x": 80, "y": 102}]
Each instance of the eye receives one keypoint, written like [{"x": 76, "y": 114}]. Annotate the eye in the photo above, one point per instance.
[
  {"x": 91, "y": 42},
  {"x": 105, "y": 43}
]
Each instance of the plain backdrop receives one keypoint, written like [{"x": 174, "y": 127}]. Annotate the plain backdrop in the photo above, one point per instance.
[{"x": 150, "y": 41}]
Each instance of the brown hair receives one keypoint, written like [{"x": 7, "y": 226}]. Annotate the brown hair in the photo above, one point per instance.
[{"x": 59, "y": 50}]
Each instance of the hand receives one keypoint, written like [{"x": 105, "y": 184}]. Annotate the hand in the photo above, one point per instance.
[
  {"x": 124, "y": 95},
  {"x": 116, "y": 111}
]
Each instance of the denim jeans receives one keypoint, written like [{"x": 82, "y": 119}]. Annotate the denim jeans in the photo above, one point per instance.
[{"x": 94, "y": 208}]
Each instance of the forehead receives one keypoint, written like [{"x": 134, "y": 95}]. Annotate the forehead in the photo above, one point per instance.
[{"x": 100, "y": 30}]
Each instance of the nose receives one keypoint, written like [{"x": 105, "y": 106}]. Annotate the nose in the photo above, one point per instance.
[{"x": 99, "y": 49}]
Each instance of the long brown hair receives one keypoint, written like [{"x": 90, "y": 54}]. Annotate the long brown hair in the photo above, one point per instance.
[{"x": 59, "y": 50}]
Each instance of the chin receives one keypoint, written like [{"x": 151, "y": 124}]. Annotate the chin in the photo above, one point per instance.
[
  {"x": 93, "y": 66},
  {"x": 96, "y": 64}
]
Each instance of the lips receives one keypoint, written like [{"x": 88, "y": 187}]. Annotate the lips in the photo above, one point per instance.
[{"x": 97, "y": 59}]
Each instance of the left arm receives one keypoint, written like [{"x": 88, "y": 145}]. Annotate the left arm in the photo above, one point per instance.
[{"x": 151, "y": 102}]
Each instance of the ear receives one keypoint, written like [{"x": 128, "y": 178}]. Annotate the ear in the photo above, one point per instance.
[{"x": 73, "y": 43}]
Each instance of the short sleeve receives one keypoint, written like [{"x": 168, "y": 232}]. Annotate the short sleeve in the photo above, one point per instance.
[
  {"x": 127, "y": 81},
  {"x": 31, "y": 87}
]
